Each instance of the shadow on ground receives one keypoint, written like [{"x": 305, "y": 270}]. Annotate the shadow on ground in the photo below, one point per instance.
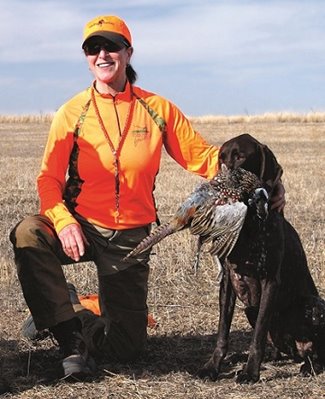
[{"x": 24, "y": 368}]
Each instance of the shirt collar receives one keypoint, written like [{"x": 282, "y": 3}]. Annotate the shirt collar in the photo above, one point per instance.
[{"x": 125, "y": 95}]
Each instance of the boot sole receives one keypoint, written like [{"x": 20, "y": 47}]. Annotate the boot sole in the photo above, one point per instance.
[{"x": 77, "y": 368}]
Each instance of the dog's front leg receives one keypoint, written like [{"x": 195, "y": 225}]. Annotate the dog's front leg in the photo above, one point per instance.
[
  {"x": 251, "y": 371},
  {"x": 227, "y": 300}
]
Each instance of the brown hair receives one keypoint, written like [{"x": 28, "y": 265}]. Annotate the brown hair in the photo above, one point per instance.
[{"x": 131, "y": 74}]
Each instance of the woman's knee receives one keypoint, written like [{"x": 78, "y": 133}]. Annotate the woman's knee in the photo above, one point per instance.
[
  {"x": 27, "y": 232},
  {"x": 130, "y": 349},
  {"x": 112, "y": 340}
]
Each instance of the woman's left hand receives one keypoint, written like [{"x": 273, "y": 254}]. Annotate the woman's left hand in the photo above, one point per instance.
[{"x": 278, "y": 200}]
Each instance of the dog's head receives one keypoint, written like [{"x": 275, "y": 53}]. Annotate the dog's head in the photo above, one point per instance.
[{"x": 246, "y": 152}]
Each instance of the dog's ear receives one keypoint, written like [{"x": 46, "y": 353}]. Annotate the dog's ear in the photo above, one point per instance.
[{"x": 270, "y": 170}]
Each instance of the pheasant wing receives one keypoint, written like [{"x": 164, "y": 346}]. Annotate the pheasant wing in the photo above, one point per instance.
[{"x": 220, "y": 224}]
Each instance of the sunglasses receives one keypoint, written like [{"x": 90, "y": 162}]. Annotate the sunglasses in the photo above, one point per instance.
[{"x": 94, "y": 48}]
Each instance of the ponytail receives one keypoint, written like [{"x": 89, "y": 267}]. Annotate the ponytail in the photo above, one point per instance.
[{"x": 131, "y": 74}]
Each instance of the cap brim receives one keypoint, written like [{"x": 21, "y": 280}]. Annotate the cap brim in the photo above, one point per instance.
[{"x": 112, "y": 36}]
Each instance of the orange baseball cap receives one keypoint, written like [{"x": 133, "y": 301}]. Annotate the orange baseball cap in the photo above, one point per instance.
[{"x": 110, "y": 27}]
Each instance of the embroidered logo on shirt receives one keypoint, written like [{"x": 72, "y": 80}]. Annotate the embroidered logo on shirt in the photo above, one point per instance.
[{"x": 139, "y": 133}]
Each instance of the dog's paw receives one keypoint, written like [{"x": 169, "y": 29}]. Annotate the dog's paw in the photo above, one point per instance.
[
  {"x": 273, "y": 355},
  {"x": 308, "y": 368},
  {"x": 244, "y": 377},
  {"x": 208, "y": 373}
]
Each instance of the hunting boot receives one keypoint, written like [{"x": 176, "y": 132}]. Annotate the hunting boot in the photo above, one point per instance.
[
  {"x": 30, "y": 331},
  {"x": 77, "y": 363}
]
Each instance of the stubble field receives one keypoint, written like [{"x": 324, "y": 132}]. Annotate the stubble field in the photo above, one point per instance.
[{"x": 184, "y": 304}]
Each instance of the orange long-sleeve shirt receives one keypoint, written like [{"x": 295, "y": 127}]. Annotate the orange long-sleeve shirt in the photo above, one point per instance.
[{"x": 139, "y": 158}]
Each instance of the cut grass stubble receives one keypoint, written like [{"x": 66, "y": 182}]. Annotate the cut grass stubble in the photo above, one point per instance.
[{"x": 185, "y": 305}]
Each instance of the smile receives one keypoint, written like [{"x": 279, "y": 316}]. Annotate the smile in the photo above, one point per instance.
[{"x": 105, "y": 64}]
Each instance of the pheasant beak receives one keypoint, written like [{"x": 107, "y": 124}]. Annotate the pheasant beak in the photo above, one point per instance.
[{"x": 260, "y": 202}]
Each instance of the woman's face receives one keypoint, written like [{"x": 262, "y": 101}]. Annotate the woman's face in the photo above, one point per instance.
[{"x": 108, "y": 64}]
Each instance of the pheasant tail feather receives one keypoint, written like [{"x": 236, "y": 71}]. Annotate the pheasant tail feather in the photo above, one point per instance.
[{"x": 153, "y": 238}]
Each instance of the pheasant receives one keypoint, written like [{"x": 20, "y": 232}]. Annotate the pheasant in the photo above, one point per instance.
[{"x": 215, "y": 211}]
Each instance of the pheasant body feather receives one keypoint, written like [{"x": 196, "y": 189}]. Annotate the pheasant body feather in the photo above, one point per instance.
[{"x": 215, "y": 211}]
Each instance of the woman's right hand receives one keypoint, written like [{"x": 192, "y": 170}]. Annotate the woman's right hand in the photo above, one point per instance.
[{"x": 73, "y": 241}]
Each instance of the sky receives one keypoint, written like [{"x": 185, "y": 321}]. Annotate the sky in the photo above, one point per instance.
[{"x": 209, "y": 57}]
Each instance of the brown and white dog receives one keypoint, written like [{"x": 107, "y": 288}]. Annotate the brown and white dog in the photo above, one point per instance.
[{"x": 267, "y": 270}]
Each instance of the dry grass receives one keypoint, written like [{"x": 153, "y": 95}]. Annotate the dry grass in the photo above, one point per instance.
[
  {"x": 280, "y": 117},
  {"x": 19, "y": 119},
  {"x": 185, "y": 305}
]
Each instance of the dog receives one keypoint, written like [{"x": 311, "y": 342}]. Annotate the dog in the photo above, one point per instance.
[{"x": 267, "y": 270}]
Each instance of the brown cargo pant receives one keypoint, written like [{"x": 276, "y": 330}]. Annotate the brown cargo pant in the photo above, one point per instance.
[{"x": 121, "y": 330}]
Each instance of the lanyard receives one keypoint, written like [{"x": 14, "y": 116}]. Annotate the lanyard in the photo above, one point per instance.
[{"x": 115, "y": 151}]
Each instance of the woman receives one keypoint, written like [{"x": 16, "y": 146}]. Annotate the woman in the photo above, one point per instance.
[{"x": 109, "y": 138}]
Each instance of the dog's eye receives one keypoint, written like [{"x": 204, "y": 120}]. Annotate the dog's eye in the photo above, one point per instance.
[{"x": 237, "y": 156}]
